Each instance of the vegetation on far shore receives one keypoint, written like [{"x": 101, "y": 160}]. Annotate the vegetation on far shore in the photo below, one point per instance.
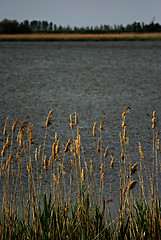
[
  {"x": 73, "y": 204},
  {"x": 81, "y": 37},
  {"x": 14, "y": 27},
  {"x": 12, "y": 30}
]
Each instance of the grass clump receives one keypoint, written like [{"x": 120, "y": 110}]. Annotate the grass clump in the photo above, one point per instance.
[{"x": 61, "y": 194}]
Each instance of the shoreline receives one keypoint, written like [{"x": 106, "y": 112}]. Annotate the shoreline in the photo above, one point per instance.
[{"x": 81, "y": 37}]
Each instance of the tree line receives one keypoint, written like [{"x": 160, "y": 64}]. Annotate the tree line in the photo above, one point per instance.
[{"x": 13, "y": 26}]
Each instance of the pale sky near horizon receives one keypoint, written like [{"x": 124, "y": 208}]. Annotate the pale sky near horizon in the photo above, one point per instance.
[{"x": 82, "y": 12}]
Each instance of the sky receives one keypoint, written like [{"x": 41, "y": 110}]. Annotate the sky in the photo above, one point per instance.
[{"x": 82, "y": 12}]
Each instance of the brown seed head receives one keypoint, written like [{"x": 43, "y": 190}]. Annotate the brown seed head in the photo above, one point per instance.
[
  {"x": 106, "y": 152},
  {"x": 154, "y": 120},
  {"x": 76, "y": 119},
  {"x": 82, "y": 175},
  {"x": 5, "y": 127},
  {"x": 91, "y": 167},
  {"x": 7, "y": 141},
  {"x": 71, "y": 122},
  {"x": 102, "y": 177},
  {"x": 123, "y": 124},
  {"x": 71, "y": 164},
  {"x": 101, "y": 168},
  {"x": 29, "y": 133},
  {"x": 86, "y": 166},
  {"x": 57, "y": 147},
  {"x": 55, "y": 179},
  {"x": 124, "y": 115},
  {"x": 19, "y": 138},
  {"x": 102, "y": 123},
  {"x": 36, "y": 157},
  {"x": 67, "y": 145},
  {"x": 140, "y": 151},
  {"x": 56, "y": 137},
  {"x": 15, "y": 124},
  {"x": 94, "y": 129},
  {"x": 26, "y": 117},
  {"x": 133, "y": 168},
  {"x": 122, "y": 155},
  {"x": 132, "y": 184},
  {"x": 23, "y": 127},
  {"x": 49, "y": 120},
  {"x": 112, "y": 161},
  {"x": 98, "y": 145},
  {"x": 45, "y": 163},
  {"x": 127, "y": 109}
]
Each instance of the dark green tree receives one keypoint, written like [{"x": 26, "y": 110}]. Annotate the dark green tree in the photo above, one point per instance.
[
  {"x": 45, "y": 26},
  {"x": 34, "y": 25},
  {"x": 50, "y": 26}
]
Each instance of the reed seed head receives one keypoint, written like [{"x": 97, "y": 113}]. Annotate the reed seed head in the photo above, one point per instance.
[
  {"x": 55, "y": 179},
  {"x": 122, "y": 155},
  {"x": 15, "y": 124},
  {"x": 106, "y": 152},
  {"x": 98, "y": 145},
  {"x": 86, "y": 166},
  {"x": 76, "y": 119},
  {"x": 49, "y": 120},
  {"x": 45, "y": 163},
  {"x": 26, "y": 117},
  {"x": 67, "y": 145},
  {"x": 71, "y": 122},
  {"x": 3, "y": 151},
  {"x": 112, "y": 161},
  {"x": 71, "y": 164},
  {"x": 36, "y": 157},
  {"x": 91, "y": 167},
  {"x": 140, "y": 151},
  {"x": 29, "y": 133},
  {"x": 56, "y": 137},
  {"x": 154, "y": 120},
  {"x": 101, "y": 168},
  {"x": 19, "y": 138},
  {"x": 123, "y": 124},
  {"x": 102, "y": 123},
  {"x": 57, "y": 147},
  {"x": 133, "y": 169},
  {"x": 102, "y": 177},
  {"x": 94, "y": 129},
  {"x": 23, "y": 127},
  {"x": 5, "y": 127},
  {"x": 132, "y": 185},
  {"x": 127, "y": 109},
  {"x": 124, "y": 115},
  {"x": 78, "y": 142},
  {"x": 82, "y": 175}
]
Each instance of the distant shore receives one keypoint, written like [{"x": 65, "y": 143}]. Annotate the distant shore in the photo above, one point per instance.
[{"x": 81, "y": 37}]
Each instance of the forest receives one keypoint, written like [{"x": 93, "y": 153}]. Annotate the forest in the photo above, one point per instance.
[{"x": 14, "y": 27}]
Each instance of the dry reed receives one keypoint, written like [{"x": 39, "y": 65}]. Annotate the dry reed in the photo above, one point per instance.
[{"x": 74, "y": 203}]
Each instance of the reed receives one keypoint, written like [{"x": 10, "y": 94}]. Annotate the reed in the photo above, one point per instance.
[{"x": 62, "y": 195}]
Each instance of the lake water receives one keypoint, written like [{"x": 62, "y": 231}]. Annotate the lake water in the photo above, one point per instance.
[{"x": 95, "y": 79}]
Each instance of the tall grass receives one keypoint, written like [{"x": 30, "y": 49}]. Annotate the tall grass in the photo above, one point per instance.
[{"x": 62, "y": 196}]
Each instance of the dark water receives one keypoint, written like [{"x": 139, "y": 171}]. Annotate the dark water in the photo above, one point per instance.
[{"x": 95, "y": 79}]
